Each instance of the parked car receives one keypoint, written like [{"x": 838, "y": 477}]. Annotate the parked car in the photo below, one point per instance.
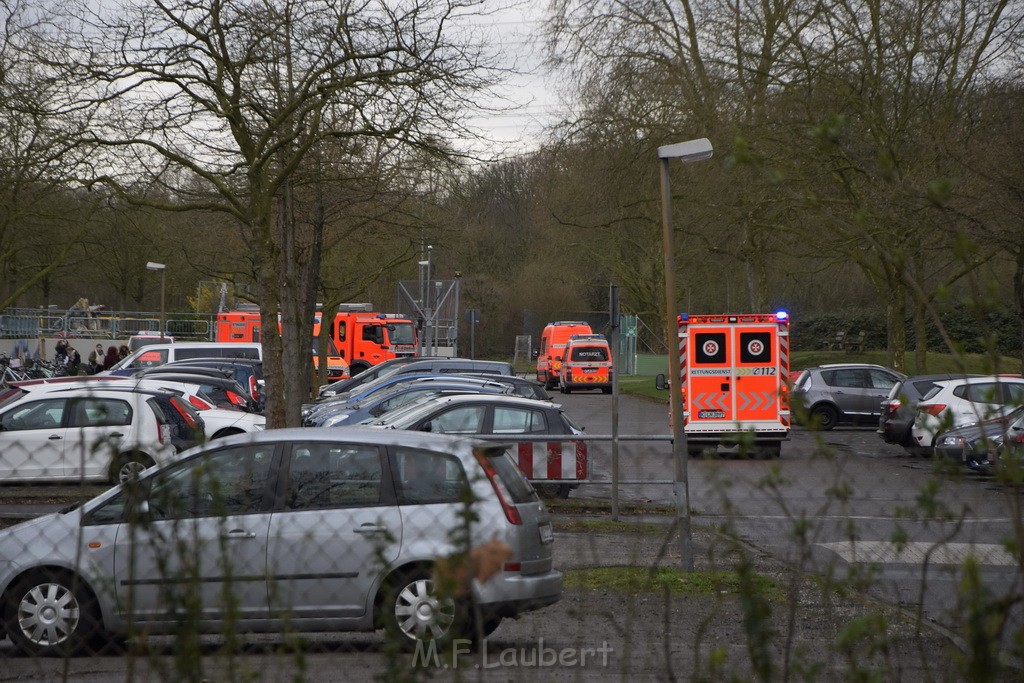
[
  {"x": 506, "y": 416},
  {"x": 377, "y": 405},
  {"x": 137, "y": 341},
  {"x": 899, "y": 409},
  {"x": 247, "y": 371},
  {"x": 219, "y": 385},
  {"x": 979, "y": 445},
  {"x": 217, "y": 422},
  {"x": 99, "y": 431},
  {"x": 959, "y": 402},
  {"x": 843, "y": 392},
  {"x": 160, "y": 354},
  {"x": 418, "y": 366},
  {"x": 349, "y": 523}
]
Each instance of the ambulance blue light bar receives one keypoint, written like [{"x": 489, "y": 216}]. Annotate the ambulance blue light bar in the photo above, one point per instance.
[{"x": 781, "y": 315}]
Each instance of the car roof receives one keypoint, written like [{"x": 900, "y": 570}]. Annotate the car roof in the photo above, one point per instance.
[
  {"x": 360, "y": 434},
  {"x": 980, "y": 379}
]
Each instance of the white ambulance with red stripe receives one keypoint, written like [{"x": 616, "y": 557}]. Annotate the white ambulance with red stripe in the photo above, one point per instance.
[{"x": 735, "y": 380}]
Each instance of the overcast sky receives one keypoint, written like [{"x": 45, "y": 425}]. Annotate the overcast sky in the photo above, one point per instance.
[{"x": 515, "y": 25}]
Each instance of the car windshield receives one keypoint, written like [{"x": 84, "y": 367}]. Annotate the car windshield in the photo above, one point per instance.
[
  {"x": 408, "y": 414},
  {"x": 401, "y": 333}
]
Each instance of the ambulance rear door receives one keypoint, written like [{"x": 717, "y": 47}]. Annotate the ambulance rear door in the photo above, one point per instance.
[{"x": 733, "y": 376}]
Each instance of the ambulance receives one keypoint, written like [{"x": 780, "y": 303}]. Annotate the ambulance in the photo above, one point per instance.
[
  {"x": 586, "y": 364},
  {"x": 734, "y": 371},
  {"x": 552, "y": 346}
]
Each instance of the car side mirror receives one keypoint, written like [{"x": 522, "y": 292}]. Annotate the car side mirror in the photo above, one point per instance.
[{"x": 660, "y": 383}]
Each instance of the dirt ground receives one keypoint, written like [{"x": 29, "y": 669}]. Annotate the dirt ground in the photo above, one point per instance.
[{"x": 591, "y": 635}]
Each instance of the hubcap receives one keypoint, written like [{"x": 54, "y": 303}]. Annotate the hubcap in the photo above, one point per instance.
[
  {"x": 421, "y": 614},
  {"x": 48, "y": 614},
  {"x": 130, "y": 470}
]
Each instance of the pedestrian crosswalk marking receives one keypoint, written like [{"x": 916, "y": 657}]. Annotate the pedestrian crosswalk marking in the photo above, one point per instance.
[{"x": 884, "y": 552}]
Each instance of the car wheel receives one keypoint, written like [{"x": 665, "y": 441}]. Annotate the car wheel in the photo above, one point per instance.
[
  {"x": 128, "y": 466},
  {"x": 606, "y": 390},
  {"x": 49, "y": 613},
  {"x": 825, "y": 417},
  {"x": 413, "y": 610},
  {"x": 566, "y": 389},
  {"x": 549, "y": 384}
]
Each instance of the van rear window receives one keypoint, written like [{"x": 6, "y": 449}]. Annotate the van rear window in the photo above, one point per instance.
[{"x": 590, "y": 354}]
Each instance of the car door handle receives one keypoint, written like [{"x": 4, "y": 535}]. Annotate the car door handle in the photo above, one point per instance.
[
  {"x": 238, "y": 534},
  {"x": 55, "y": 437},
  {"x": 117, "y": 434},
  {"x": 370, "y": 529}
]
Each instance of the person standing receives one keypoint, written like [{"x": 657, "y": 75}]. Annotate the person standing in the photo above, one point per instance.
[
  {"x": 111, "y": 358},
  {"x": 74, "y": 361},
  {"x": 95, "y": 361}
]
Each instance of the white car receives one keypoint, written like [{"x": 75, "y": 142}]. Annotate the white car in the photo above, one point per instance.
[
  {"x": 959, "y": 402},
  {"x": 219, "y": 422},
  {"x": 72, "y": 432}
]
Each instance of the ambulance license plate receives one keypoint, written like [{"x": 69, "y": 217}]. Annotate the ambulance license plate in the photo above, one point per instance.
[
  {"x": 711, "y": 414},
  {"x": 589, "y": 369}
]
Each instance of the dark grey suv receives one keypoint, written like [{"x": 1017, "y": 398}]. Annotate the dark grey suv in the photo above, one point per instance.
[
  {"x": 900, "y": 408},
  {"x": 843, "y": 392}
]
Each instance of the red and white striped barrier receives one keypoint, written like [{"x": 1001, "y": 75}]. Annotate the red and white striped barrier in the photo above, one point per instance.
[{"x": 553, "y": 460}]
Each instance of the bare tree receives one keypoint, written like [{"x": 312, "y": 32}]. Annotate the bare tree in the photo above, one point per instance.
[{"x": 217, "y": 104}]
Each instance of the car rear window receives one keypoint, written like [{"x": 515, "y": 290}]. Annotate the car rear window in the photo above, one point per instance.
[
  {"x": 510, "y": 475},
  {"x": 923, "y": 386}
]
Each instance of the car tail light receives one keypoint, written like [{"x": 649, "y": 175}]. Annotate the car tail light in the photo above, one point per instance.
[
  {"x": 236, "y": 399},
  {"x": 199, "y": 403},
  {"x": 513, "y": 567},
  {"x": 162, "y": 430},
  {"x": 891, "y": 405},
  {"x": 932, "y": 409},
  {"x": 511, "y": 513},
  {"x": 185, "y": 414},
  {"x": 254, "y": 388},
  {"x": 1019, "y": 438}
]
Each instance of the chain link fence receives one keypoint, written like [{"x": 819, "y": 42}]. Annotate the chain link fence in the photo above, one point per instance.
[{"x": 328, "y": 554}]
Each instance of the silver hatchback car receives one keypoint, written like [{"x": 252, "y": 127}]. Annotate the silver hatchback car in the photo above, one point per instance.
[{"x": 287, "y": 530}]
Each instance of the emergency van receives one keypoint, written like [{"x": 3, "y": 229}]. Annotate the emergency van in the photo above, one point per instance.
[
  {"x": 243, "y": 325},
  {"x": 552, "y": 346},
  {"x": 734, "y": 371},
  {"x": 586, "y": 364}
]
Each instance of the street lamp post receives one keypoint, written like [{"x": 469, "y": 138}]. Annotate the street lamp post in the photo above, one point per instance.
[
  {"x": 687, "y": 152},
  {"x": 163, "y": 282}
]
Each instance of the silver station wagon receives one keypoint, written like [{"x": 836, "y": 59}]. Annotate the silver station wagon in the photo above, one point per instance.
[{"x": 288, "y": 530}]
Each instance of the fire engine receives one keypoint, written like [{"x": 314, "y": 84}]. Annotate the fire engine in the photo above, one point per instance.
[
  {"x": 243, "y": 325},
  {"x": 734, "y": 371},
  {"x": 365, "y": 337}
]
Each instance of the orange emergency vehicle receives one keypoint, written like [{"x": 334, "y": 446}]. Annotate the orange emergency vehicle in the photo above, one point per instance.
[
  {"x": 735, "y": 379},
  {"x": 365, "y": 337},
  {"x": 586, "y": 364},
  {"x": 552, "y": 347},
  {"x": 243, "y": 325}
]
